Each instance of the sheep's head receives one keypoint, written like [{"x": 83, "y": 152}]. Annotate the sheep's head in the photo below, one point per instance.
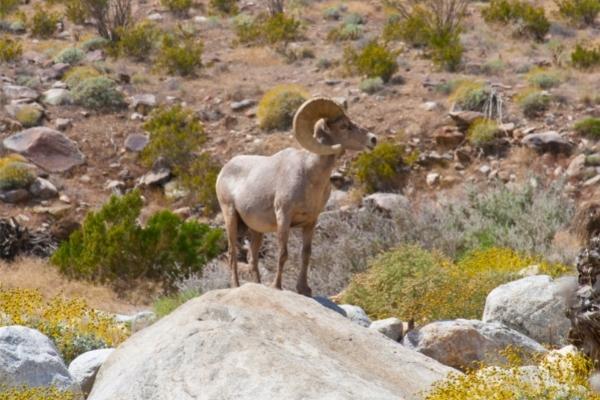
[{"x": 322, "y": 127}]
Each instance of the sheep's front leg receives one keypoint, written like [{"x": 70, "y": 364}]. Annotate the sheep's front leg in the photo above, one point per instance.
[
  {"x": 283, "y": 233},
  {"x": 307, "y": 236}
]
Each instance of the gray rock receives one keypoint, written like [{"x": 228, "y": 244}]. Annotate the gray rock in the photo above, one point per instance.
[
  {"x": 386, "y": 201},
  {"x": 550, "y": 141},
  {"x": 15, "y": 92},
  {"x": 14, "y": 196},
  {"x": 137, "y": 321},
  {"x": 27, "y": 357},
  {"x": 48, "y": 148},
  {"x": 28, "y": 114},
  {"x": 155, "y": 178},
  {"x": 241, "y": 105},
  {"x": 464, "y": 119},
  {"x": 465, "y": 343},
  {"x": 337, "y": 199},
  {"x": 56, "y": 71},
  {"x": 356, "y": 315},
  {"x": 115, "y": 187},
  {"x": 57, "y": 97},
  {"x": 62, "y": 124},
  {"x": 84, "y": 368},
  {"x": 95, "y": 56},
  {"x": 534, "y": 306},
  {"x": 576, "y": 166},
  {"x": 136, "y": 142},
  {"x": 255, "y": 342},
  {"x": 143, "y": 103},
  {"x": 43, "y": 189},
  {"x": 390, "y": 327}
]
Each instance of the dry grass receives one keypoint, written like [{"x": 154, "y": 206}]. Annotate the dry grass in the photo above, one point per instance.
[{"x": 32, "y": 273}]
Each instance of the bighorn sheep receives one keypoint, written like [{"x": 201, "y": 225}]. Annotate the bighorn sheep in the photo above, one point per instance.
[{"x": 288, "y": 189}]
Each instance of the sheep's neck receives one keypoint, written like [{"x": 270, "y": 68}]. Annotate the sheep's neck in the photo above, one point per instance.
[{"x": 320, "y": 167}]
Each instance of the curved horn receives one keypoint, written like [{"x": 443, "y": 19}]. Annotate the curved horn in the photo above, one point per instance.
[{"x": 307, "y": 116}]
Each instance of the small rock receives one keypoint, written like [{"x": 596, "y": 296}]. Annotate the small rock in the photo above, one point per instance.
[
  {"x": 592, "y": 181},
  {"x": 62, "y": 124},
  {"x": 390, "y": 327},
  {"x": 155, "y": 17},
  {"x": 429, "y": 106},
  {"x": 95, "y": 56},
  {"x": 15, "y": 92},
  {"x": 550, "y": 141},
  {"x": 388, "y": 202},
  {"x": 115, "y": 187},
  {"x": 174, "y": 191},
  {"x": 14, "y": 196},
  {"x": 84, "y": 368},
  {"x": 241, "y": 105},
  {"x": 143, "y": 103},
  {"x": 43, "y": 189},
  {"x": 432, "y": 179},
  {"x": 576, "y": 166},
  {"x": 485, "y": 169},
  {"x": 356, "y": 315},
  {"x": 448, "y": 136},
  {"x": 136, "y": 142},
  {"x": 57, "y": 97}
]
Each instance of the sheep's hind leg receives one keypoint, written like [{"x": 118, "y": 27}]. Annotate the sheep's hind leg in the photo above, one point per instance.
[
  {"x": 307, "y": 236},
  {"x": 256, "y": 239},
  {"x": 283, "y": 232},
  {"x": 231, "y": 225}
]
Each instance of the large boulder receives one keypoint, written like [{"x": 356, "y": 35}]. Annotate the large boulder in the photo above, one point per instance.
[
  {"x": 48, "y": 148},
  {"x": 465, "y": 343},
  {"x": 551, "y": 141},
  {"x": 85, "y": 367},
  {"x": 255, "y": 342},
  {"x": 27, "y": 357},
  {"x": 534, "y": 306}
]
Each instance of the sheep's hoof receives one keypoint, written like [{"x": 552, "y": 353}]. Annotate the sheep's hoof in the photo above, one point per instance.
[
  {"x": 304, "y": 290},
  {"x": 276, "y": 285},
  {"x": 235, "y": 283}
]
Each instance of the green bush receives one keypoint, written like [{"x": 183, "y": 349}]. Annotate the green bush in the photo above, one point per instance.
[
  {"x": 180, "y": 53},
  {"x": 76, "y": 75},
  {"x": 278, "y": 106},
  {"x": 414, "y": 284},
  {"x": 98, "y": 93},
  {"x": 36, "y": 393},
  {"x": 374, "y": 60},
  {"x": 371, "y": 85},
  {"x": 29, "y": 115},
  {"x": 267, "y": 29},
  {"x": 94, "y": 43},
  {"x": 137, "y": 42},
  {"x": 199, "y": 179},
  {"x": 10, "y": 49},
  {"x": 583, "y": 12},
  {"x": 224, "y": 7},
  {"x": 589, "y": 127},
  {"x": 8, "y": 6},
  {"x": 529, "y": 19},
  {"x": 543, "y": 78},
  {"x": 533, "y": 102},
  {"x": 411, "y": 29},
  {"x": 180, "y": 8},
  {"x": 483, "y": 132},
  {"x": 43, "y": 24},
  {"x": 165, "y": 305},
  {"x": 111, "y": 246},
  {"x": 75, "y": 11},
  {"x": 70, "y": 55},
  {"x": 446, "y": 50},
  {"x": 470, "y": 95},
  {"x": 381, "y": 169},
  {"x": 332, "y": 13},
  {"x": 345, "y": 32},
  {"x": 585, "y": 58},
  {"x": 15, "y": 173}
]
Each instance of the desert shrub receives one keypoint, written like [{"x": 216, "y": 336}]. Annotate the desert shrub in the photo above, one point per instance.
[
  {"x": 175, "y": 133},
  {"x": 8, "y": 6},
  {"x": 10, "y": 49},
  {"x": 332, "y": 13},
  {"x": 278, "y": 106},
  {"x": 111, "y": 246},
  {"x": 43, "y": 23},
  {"x": 199, "y": 179},
  {"x": 137, "y": 42},
  {"x": 436, "y": 24},
  {"x": 493, "y": 67},
  {"x": 448, "y": 87},
  {"x": 76, "y": 75},
  {"x": 374, "y": 60},
  {"x": 98, "y": 93},
  {"x": 94, "y": 43},
  {"x": 75, "y": 11},
  {"x": 165, "y": 305},
  {"x": 224, "y": 7},
  {"x": 180, "y": 8},
  {"x": 582, "y": 12},
  {"x": 345, "y": 32},
  {"x": 557, "y": 377},
  {"x": 36, "y": 393},
  {"x": 180, "y": 53},
  {"x": 585, "y": 58},
  {"x": 29, "y": 115},
  {"x": 589, "y": 127},
  {"x": 15, "y": 173},
  {"x": 543, "y": 78},
  {"x": 529, "y": 19},
  {"x": 267, "y": 29},
  {"x": 109, "y": 16},
  {"x": 382, "y": 169},
  {"x": 469, "y": 95},
  {"x": 483, "y": 132},
  {"x": 68, "y": 322},
  {"x": 533, "y": 102},
  {"x": 371, "y": 85},
  {"x": 70, "y": 55},
  {"x": 414, "y": 284}
]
